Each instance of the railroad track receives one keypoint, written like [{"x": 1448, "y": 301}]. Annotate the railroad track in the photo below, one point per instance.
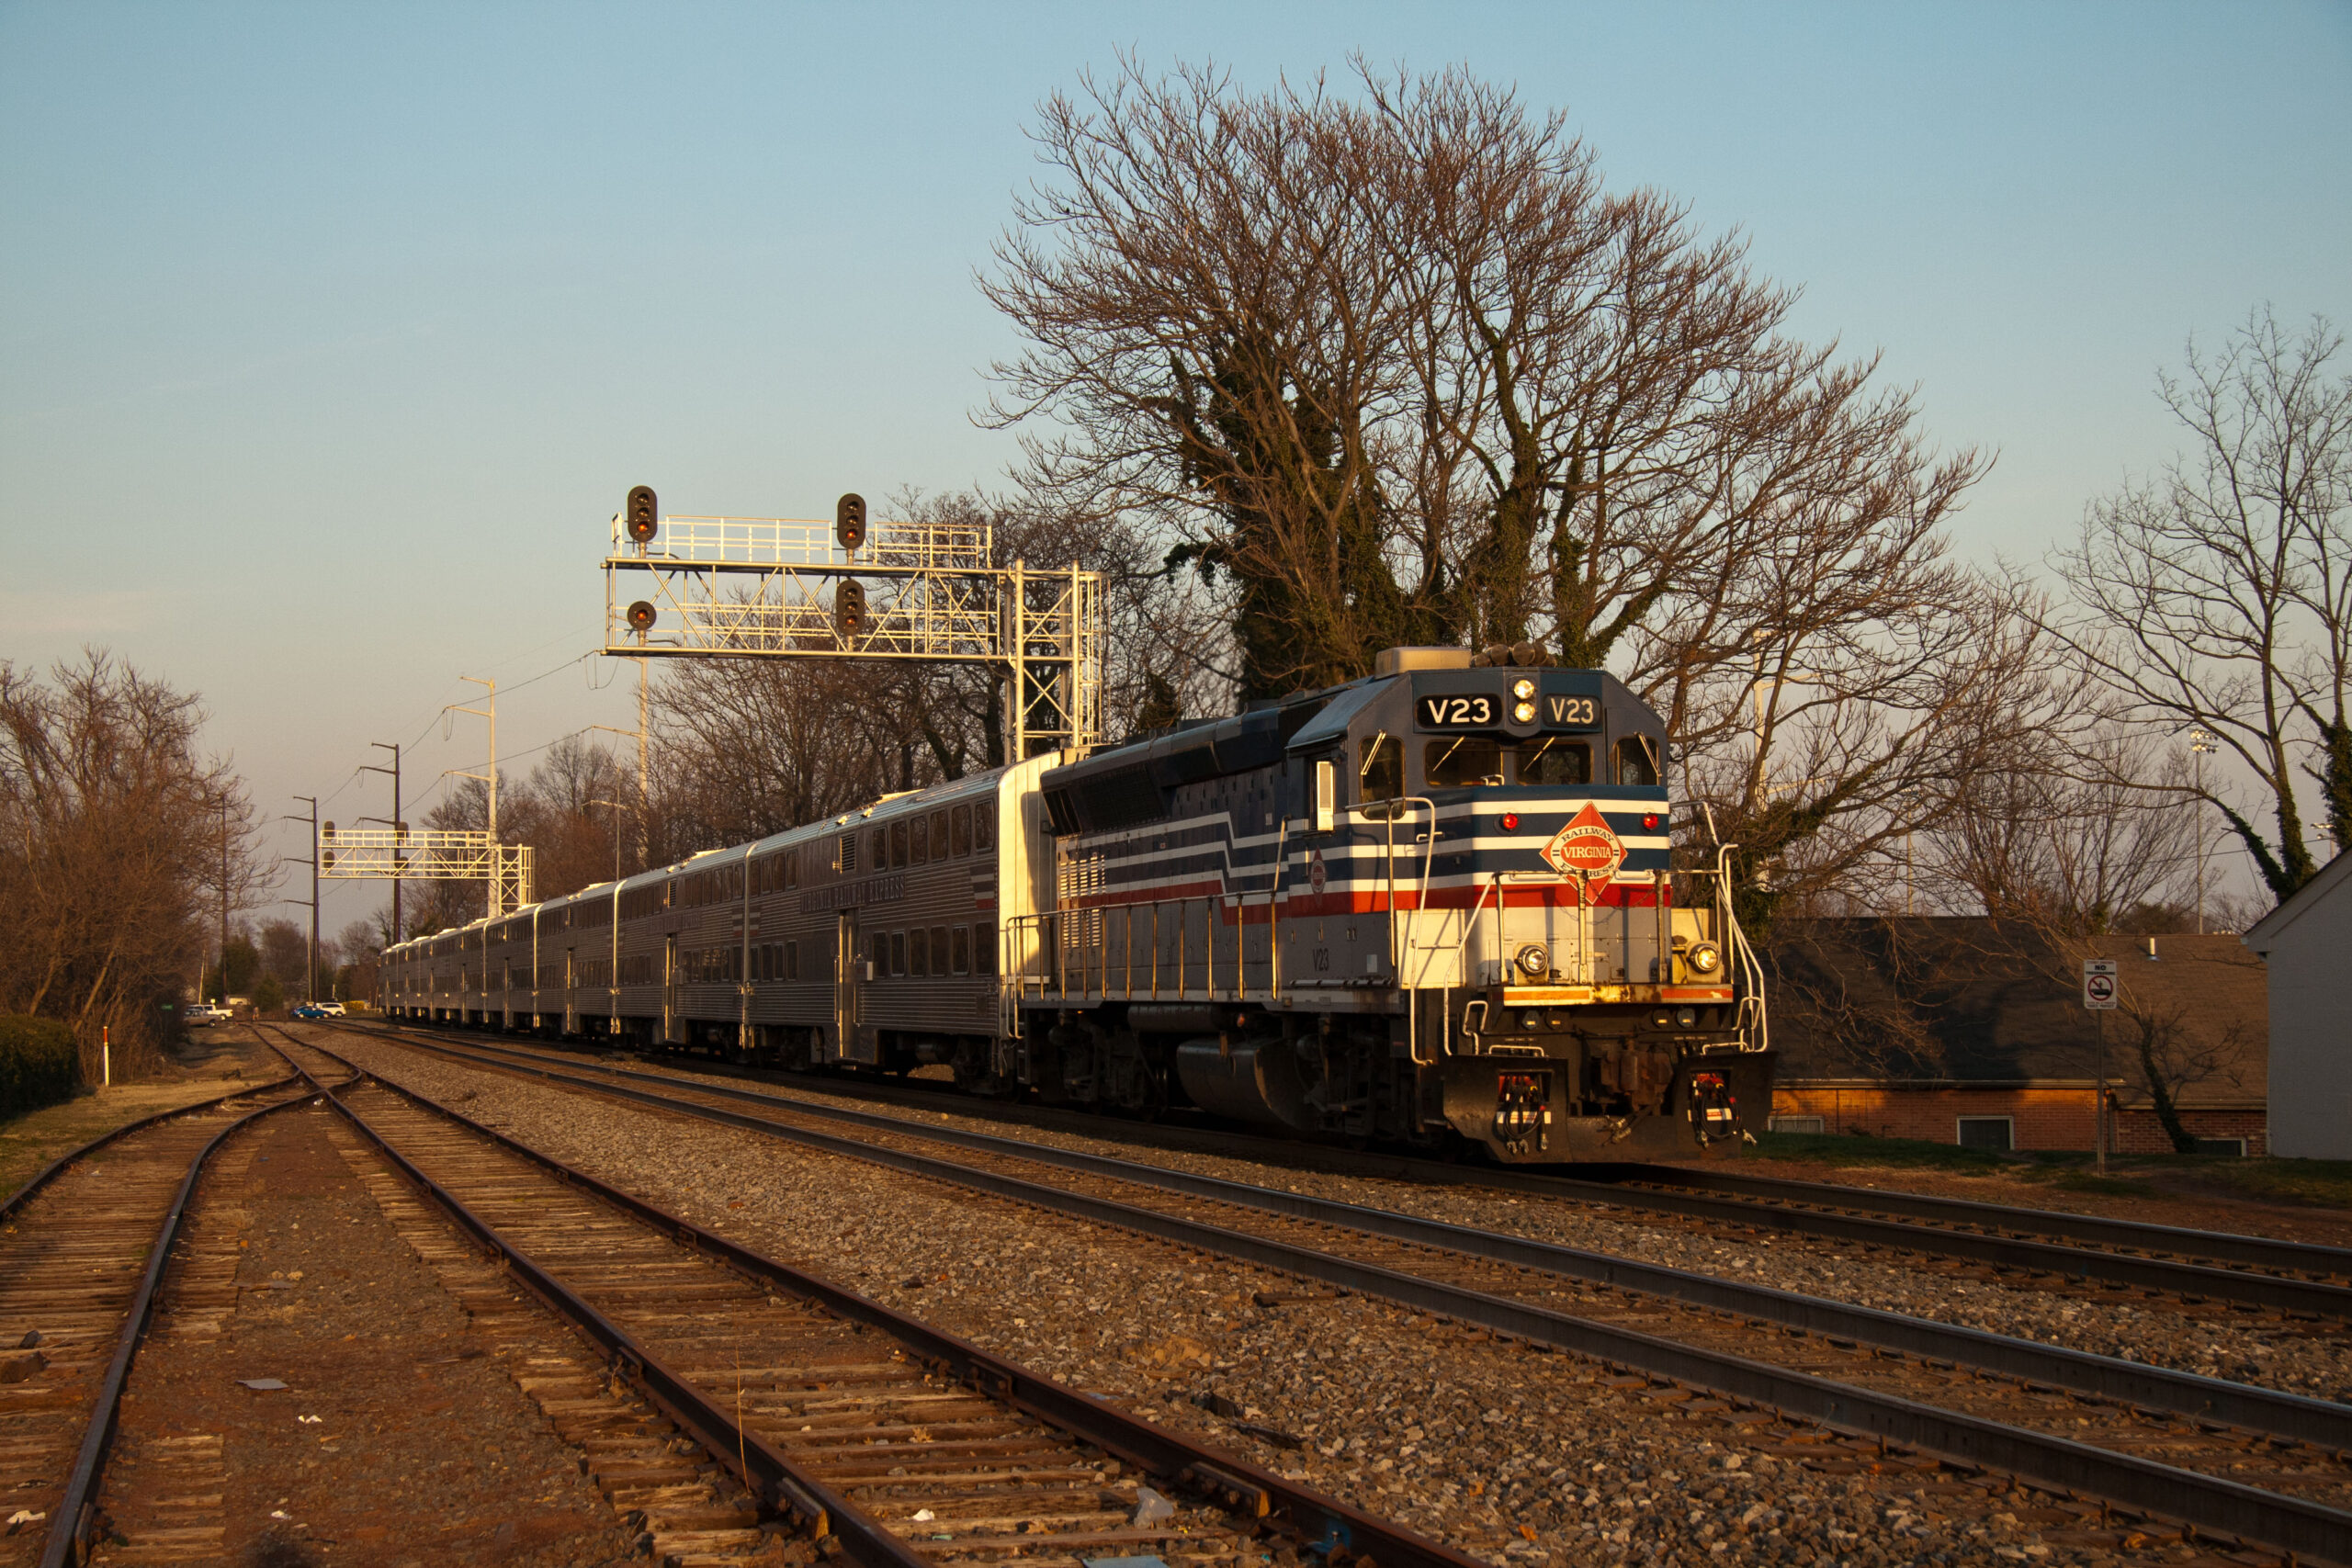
[
  {"x": 83, "y": 1247},
  {"x": 2085, "y": 1250},
  {"x": 905, "y": 1445},
  {"x": 2274, "y": 1472}
]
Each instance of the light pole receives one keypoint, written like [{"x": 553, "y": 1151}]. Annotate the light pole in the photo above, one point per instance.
[
  {"x": 2200, "y": 742},
  {"x": 310, "y": 964},
  {"x": 489, "y": 778},
  {"x": 399, "y": 827},
  {"x": 616, "y": 805}
]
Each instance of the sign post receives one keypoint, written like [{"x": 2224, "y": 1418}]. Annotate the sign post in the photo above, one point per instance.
[{"x": 2098, "y": 996}]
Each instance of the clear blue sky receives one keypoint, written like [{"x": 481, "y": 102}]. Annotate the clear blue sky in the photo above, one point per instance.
[{"x": 330, "y": 336}]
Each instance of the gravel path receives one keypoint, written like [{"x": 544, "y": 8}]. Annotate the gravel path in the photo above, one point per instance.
[
  {"x": 1516, "y": 1456},
  {"x": 2313, "y": 1359}
]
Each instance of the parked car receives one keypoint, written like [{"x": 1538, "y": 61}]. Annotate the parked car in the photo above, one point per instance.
[
  {"x": 309, "y": 1012},
  {"x": 331, "y": 1010},
  {"x": 201, "y": 1015}
]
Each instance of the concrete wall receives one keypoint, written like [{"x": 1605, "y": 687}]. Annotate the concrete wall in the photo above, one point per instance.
[{"x": 2311, "y": 1026}]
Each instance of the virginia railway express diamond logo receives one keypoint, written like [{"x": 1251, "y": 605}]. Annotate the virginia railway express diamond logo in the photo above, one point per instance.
[{"x": 1587, "y": 844}]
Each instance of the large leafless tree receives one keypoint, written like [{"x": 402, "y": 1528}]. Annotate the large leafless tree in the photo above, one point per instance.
[
  {"x": 2218, "y": 594},
  {"x": 1397, "y": 365}
]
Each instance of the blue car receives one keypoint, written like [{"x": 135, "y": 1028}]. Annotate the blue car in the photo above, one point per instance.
[{"x": 310, "y": 1010}]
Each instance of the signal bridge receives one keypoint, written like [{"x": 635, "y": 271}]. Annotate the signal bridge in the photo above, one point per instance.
[
  {"x": 780, "y": 588},
  {"x": 358, "y": 853}
]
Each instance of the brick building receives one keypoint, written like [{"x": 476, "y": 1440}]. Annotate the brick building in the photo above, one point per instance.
[{"x": 1967, "y": 1031}]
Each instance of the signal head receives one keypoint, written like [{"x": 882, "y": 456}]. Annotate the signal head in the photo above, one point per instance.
[
  {"x": 850, "y": 618},
  {"x": 642, "y": 515},
  {"x": 641, "y": 616},
  {"x": 849, "y": 520}
]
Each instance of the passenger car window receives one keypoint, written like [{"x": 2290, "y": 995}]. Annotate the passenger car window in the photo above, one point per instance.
[
  {"x": 962, "y": 831},
  {"x": 1636, "y": 757},
  {"x": 1556, "y": 761},
  {"x": 1465, "y": 759}
]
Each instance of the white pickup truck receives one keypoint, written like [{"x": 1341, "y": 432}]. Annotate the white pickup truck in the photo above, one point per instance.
[{"x": 202, "y": 1015}]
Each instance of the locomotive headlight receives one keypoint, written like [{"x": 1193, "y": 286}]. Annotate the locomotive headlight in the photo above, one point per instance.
[
  {"x": 1705, "y": 958},
  {"x": 1534, "y": 959},
  {"x": 1687, "y": 1019},
  {"x": 1523, "y": 689},
  {"x": 1661, "y": 1020},
  {"x": 1531, "y": 1022},
  {"x": 1524, "y": 713}
]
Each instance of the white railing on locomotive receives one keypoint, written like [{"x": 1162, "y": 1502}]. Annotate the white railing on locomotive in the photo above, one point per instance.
[{"x": 1095, "y": 952}]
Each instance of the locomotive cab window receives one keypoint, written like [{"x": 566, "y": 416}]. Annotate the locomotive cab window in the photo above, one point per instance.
[
  {"x": 1637, "y": 761},
  {"x": 1380, "y": 769},
  {"x": 1464, "y": 761},
  {"x": 1554, "y": 761}
]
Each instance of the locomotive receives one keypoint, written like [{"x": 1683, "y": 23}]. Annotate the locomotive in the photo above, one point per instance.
[{"x": 1436, "y": 908}]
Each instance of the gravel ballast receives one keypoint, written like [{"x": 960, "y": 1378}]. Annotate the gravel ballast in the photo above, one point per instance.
[
  {"x": 2311, "y": 1359},
  {"x": 1515, "y": 1456}
]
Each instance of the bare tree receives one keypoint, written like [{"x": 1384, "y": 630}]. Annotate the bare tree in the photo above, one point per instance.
[
  {"x": 1399, "y": 369},
  {"x": 114, "y": 833},
  {"x": 2218, "y": 594}
]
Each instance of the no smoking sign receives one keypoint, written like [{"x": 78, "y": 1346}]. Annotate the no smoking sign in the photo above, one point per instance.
[{"x": 2098, "y": 983}]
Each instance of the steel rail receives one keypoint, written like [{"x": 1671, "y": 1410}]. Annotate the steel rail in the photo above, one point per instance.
[
  {"x": 1321, "y": 1521},
  {"x": 2145, "y": 1273},
  {"x": 2225, "y": 1246},
  {"x": 67, "y": 1531},
  {"x": 2267, "y": 1411},
  {"x": 2269, "y": 1291},
  {"x": 57, "y": 1166},
  {"x": 2204, "y": 1502}
]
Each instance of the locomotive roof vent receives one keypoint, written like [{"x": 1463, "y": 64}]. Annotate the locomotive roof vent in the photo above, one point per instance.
[{"x": 1397, "y": 661}]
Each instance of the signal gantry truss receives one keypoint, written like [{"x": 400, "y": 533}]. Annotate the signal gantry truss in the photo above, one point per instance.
[
  {"x": 358, "y": 853},
  {"x": 777, "y": 588}
]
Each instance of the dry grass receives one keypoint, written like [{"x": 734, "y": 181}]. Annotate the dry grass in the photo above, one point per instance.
[{"x": 210, "y": 1067}]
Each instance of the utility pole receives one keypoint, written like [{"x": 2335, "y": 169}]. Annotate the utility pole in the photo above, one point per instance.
[
  {"x": 2200, "y": 742},
  {"x": 618, "y": 806},
  {"x": 311, "y": 967},
  {"x": 644, "y": 769},
  {"x": 224, "y": 904},
  {"x": 399, "y": 827},
  {"x": 489, "y": 711}
]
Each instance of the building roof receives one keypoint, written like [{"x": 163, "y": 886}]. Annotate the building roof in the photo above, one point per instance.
[
  {"x": 1955, "y": 999},
  {"x": 2330, "y": 880}
]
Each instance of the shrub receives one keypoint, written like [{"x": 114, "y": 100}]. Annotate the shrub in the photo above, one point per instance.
[
  {"x": 268, "y": 996},
  {"x": 37, "y": 1065}
]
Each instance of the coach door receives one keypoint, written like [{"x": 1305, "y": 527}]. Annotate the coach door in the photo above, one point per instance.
[
  {"x": 669, "y": 988},
  {"x": 847, "y": 1031},
  {"x": 571, "y": 999}
]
